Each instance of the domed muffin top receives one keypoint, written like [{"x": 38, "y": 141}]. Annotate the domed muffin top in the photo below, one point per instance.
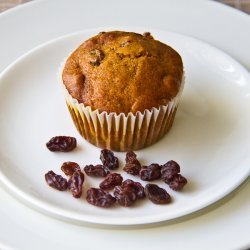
[{"x": 123, "y": 72}]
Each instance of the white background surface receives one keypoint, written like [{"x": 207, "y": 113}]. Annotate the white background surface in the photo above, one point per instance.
[{"x": 224, "y": 225}]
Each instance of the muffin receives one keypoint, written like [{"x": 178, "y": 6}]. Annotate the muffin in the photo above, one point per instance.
[{"x": 122, "y": 89}]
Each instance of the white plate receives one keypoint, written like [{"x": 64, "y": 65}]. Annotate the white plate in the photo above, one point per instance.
[
  {"x": 215, "y": 23},
  {"x": 210, "y": 137}
]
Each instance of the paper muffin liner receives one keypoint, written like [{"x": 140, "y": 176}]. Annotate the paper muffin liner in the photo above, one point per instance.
[{"x": 121, "y": 132}]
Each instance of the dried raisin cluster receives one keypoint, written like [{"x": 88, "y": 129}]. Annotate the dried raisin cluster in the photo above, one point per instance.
[
  {"x": 125, "y": 192},
  {"x": 168, "y": 172},
  {"x": 75, "y": 182},
  {"x": 128, "y": 192},
  {"x": 132, "y": 166},
  {"x": 170, "y": 175}
]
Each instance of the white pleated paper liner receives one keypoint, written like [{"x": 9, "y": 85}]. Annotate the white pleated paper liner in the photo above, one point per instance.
[{"x": 121, "y": 132}]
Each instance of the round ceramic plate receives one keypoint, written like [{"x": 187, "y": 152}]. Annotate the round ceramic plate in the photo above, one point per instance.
[{"x": 210, "y": 136}]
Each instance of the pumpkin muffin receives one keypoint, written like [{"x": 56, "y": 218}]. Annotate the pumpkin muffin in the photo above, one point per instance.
[{"x": 122, "y": 89}]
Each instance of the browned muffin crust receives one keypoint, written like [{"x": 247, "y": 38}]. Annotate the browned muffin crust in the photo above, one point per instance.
[{"x": 123, "y": 72}]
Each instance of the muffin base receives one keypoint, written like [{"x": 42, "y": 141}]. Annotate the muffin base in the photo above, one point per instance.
[{"x": 120, "y": 132}]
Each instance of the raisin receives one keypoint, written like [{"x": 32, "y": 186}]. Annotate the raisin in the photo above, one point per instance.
[
  {"x": 128, "y": 193},
  {"x": 130, "y": 156},
  {"x": 70, "y": 167},
  {"x": 132, "y": 165},
  {"x": 177, "y": 182},
  {"x": 75, "y": 183},
  {"x": 108, "y": 159},
  {"x": 56, "y": 181},
  {"x": 169, "y": 170},
  {"x": 156, "y": 194},
  {"x": 148, "y": 35},
  {"x": 96, "y": 56},
  {"x": 100, "y": 198},
  {"x": 139, "y": 189},
  {"x": 97, "y": 171},
  {"x": 61, "y": 143},
  {"x": 111, "y": 181},
  {"x": 170, "y": 174},
  {"x": 125, "y": 195},
  {"x": 131, "y": 168},
  {"x": 150, "y": 173}
]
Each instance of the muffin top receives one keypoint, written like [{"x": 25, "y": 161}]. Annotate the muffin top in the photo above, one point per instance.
[{"x": 123, "y": 72}]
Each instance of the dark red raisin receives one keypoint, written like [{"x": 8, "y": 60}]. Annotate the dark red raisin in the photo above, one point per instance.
[
  {"x": 169, "y": 170},
  {"x": 56, "y": 181},
  {"x": 100, "y": 198},
  {"x": 96, "y": 171},
  {"x": 61, "y": 143},
  {"x": 111, "y": 181},
  {"x": 177, "y": 182},
  {"x": 76, "y": 183},
  {"x": 131, "y": 168},
  {"x": 139, "y": 189},
  {"x": 96, "y": 56},
  {"x": 148, "y": 35},
  {"x": 130, "y": 156},
  {"x": 128, "y": 193},
  {"x": 132, "y": 165},
  {"x": 157, "y": 194},
  {"x": 70, "y": 167},
  {"x": 150, "y": 173},
  {"x": 108, "y": 159},
  {"x": 125, "y": 195}
]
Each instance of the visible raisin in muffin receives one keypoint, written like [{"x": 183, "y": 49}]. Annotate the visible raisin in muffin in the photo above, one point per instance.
[{"x": 122, "y": 89}]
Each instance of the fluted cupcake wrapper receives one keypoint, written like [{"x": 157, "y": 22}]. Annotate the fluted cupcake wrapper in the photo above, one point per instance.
[{"x": 121, "y": 132}]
